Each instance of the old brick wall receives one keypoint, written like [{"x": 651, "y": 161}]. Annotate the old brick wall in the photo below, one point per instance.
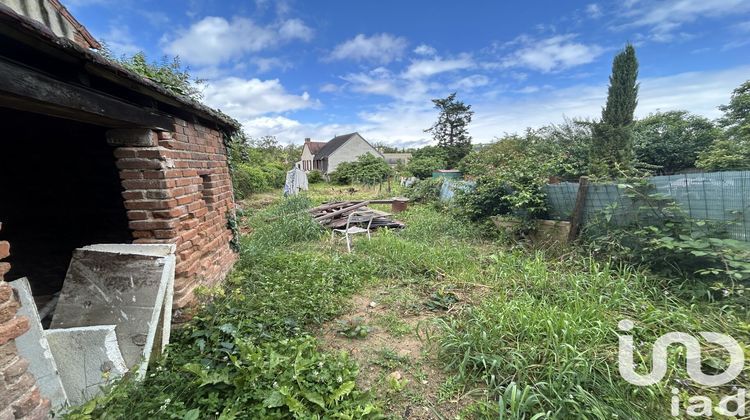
[
  {"x": 178, "y": 189},
  {"x": 19, "y": 394}
]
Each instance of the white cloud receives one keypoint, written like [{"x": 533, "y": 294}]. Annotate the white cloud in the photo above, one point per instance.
[
  {"x": 120, "y": 41},
  {"x": 420, "y": 69},
  {"x": 246, "y": 99},
  {"x": 329, "y": 88},
  {"x": 472, "y": 82},
  {"x": 665, "y": 17},
  {"x": 529, "y": 89},
  {"x": 424, "y": 49},
  {"x": 551, "y": 54},
  {"x": 742, "y": 26},
  {"x": 697, "y": 92},
  {"x": 291, "y": 131},
  {"x": 295, "y": 29},
  {"x": 380, "y": 48},
  {"x": 593, "y": 10},
  {"x": 377, "y": 82},
  {"x": 212, "y": 39},
  {"x": 401, "y": 123},
  {"x": 266, "y": 64},
  {"x": 84, "y": 3}
]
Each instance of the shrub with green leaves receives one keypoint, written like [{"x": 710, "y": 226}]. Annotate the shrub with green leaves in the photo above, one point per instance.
[
  {"x": 427, "y": 160},
  {"x": 425, "y": 190},
  {"x": 168, "y": 73},
  {"x": 251, "y": 179},
  {"x": 657, "y": 233},
  {"x": 367, "y": 170},
  {"x": 672, "y": 140},
  {"x": 510, "y": 178},
  {"x": 314, "y": 177},
  {"x": 732, "y": 150}
]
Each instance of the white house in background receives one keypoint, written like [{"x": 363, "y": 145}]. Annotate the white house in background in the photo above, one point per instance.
[
  {"x": 325, "y": 157},
  {"x": 308, "y": 152},
  {"x": 393, "y": 159}
]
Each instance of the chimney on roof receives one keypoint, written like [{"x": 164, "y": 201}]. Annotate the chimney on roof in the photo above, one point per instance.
[{"x": 307, "y": 139}]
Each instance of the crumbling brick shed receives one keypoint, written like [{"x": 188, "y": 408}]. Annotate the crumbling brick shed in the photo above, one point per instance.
[{"x": 93, "y": 153}]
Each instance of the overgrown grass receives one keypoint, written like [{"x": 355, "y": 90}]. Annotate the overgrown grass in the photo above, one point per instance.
[
  {"x": 551, "y": 327},
  {"x": 537, "y": 336}
]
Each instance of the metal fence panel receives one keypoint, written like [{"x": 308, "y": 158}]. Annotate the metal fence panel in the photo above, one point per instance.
[{"x": 716, "y": 196}]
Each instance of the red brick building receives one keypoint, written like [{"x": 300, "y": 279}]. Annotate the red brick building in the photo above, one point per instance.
[{"x": 93, "y": 153}]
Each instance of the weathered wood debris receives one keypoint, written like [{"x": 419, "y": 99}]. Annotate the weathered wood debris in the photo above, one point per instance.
[{"x": 334, "y": 215}]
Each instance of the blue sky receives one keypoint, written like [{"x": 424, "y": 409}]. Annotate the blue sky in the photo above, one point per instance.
[{"x": 297, "y": 69}]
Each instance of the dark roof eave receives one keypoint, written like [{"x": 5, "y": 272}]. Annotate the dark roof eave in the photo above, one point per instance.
[{"x": 12, "y": 24}]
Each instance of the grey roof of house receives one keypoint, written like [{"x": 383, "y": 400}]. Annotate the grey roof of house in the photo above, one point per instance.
[{"x": 332, "y": 145}]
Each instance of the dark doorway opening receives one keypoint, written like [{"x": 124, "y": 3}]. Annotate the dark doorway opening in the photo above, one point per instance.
[{"x": 59, "y": 190}]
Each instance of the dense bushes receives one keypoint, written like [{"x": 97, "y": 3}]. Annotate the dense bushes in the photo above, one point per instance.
[
  {"x": 726, "y": 155},
  {"x": 250, "y": 179},
  {"x": 657, "y": 234},
  {"x": 425, "y": 190},
  {"x": 732, "y": 150},
  {"x": 367, "y": 170},
  {"x": 510, "y": 177},
  {"x": 671, "y": 141},
  {"x": 314, "y": 177},
  {"x": 259, "y": 165},
  {"x": 426, "y": 160}
]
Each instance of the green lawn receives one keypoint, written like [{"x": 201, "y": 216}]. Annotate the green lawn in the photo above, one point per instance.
[{"x": 440, "y": 320}]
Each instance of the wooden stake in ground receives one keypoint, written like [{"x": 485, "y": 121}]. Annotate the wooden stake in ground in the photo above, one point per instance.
[{"x": 577, "y": 217}]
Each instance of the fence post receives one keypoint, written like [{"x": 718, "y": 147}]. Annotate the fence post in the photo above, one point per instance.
[{"x": 577, "y": 217}]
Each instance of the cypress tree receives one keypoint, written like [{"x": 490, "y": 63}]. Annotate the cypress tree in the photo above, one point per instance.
[{"x": 612, "y": 148}]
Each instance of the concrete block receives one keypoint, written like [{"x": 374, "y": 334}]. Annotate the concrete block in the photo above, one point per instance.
[
  {"x": 87, "y": 359},
  {"x": 154, "y": 250},
  {"x": 33, "y": 347},
  {"x": 130, "y": 137},
  {"x": 123, "y": 285}
]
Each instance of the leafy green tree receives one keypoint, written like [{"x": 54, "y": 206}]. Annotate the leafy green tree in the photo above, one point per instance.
[
  {"x": 725, "y": 155},
  {"x": 672, "y": 140},
  {"x": 367, "y": 169},
  {"x": 168, "y": 73},
  {"x": 612, "y": 147},
  {"x": 570, "y": 144},
  {"x": 426, "y": 160},
  {"x": 732, "y": 150},
  {"x": 385, "y": 148},
  {"x": 423, "y": 167},
  {"x": 510, "y": 175},
  {"x": 259, "y": 164},
  {"x": 450, "y": 130},
  {"x": 736, "y": 118}
]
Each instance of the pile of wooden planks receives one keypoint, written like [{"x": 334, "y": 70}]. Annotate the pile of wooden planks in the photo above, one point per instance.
[{"x": 335, "y": 215}]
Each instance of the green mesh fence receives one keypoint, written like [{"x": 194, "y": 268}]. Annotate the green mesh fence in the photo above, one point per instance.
[{"x": 718, "y": 196}]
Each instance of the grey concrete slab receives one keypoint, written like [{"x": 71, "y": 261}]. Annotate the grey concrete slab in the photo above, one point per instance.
[
  {"x": 154, "y": 250},
  {"x": 123, "y": 285},
  {"x": 33, "y": 347},
  {"x": 87, "y": 359}
]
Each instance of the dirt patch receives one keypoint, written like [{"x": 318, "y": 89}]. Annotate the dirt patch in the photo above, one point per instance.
[{"x": 396, "y": 361}]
